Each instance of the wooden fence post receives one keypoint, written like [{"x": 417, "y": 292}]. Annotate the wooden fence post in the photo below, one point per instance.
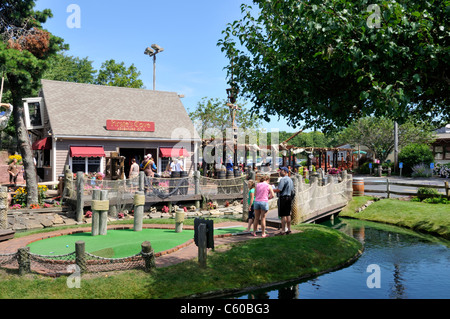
[
  {"x": 202, "y": 250},
  {"x": 447, "y": 190},
  {"x": 95, "y": 215},
  {"x": 245, "y": 201},
  {"x": 197, "y": 187},
  {"x": 3, "y": 207},
  {"x": 103, "y": 225},
  {"x": 80, "y": 255},
  {"x": 148, "y": 255},
  {"x": 139, "y": 203},
  {"x": 23, "y": 259},
  {"x": 80, "y": 196},
  {"x": 388, "y": 189}
]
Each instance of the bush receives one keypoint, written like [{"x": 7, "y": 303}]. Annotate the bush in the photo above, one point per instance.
[
  {"x": 415, "y": 154},
  {"x": 364, "y": 168},
  {"x": 421, "y": 170}
]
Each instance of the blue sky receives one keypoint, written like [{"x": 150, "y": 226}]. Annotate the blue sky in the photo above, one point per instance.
[{"x": 191, "y": 64}]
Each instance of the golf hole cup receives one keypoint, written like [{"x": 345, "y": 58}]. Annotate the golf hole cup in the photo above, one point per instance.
[{"x": 179, "y": 219}]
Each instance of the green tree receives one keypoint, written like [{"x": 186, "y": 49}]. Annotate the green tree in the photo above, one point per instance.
[
  {"x": 68, "y": 68},
  {"x": 330, "y": 62},
  {"x": 215, "y": 114},
  {"x": 24, "y": 50},
  {"x": 377, "y": 134},
  {"x": 414, "y": 154},
  {"x": 117, "y": 74}
]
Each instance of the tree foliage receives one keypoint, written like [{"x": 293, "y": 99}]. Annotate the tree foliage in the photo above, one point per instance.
[
  {"x": 117, "y": 74},
  {"x": 68, "y": 68},
  {"x": 214, "y": 114},
  {"x": 330, "y": 62},
  {"x": 377, "y": 134},
  {"x": 24, "y": 50}
]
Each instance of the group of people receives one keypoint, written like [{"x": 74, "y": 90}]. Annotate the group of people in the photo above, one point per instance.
[
  {"x": 147, "y": 165},
  {"x": 258, "y": 202}
]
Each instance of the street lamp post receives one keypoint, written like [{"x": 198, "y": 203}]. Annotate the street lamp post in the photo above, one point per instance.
[{"x": 152, "y": 52}]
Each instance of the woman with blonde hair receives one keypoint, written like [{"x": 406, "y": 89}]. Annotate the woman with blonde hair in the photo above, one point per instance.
[{"x": 263, "y": 192}]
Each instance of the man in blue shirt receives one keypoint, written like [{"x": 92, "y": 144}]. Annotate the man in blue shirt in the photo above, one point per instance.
[{"x": 285, "y": 190}]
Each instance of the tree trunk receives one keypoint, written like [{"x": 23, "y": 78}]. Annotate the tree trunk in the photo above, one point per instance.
[{"x": 24, "y": 145}]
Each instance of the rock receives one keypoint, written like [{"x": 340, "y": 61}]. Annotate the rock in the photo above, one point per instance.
[
  {"x": 58, "y": 220},
  {"x": 155, "y": 215}
]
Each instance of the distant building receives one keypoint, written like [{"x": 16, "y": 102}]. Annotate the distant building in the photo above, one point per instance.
[
  {"x": 81, "y": 124},
  {"x": 441, "y": 147}
]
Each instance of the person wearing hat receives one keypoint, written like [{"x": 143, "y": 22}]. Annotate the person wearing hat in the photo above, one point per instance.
[{"x": 286, "y": 191}]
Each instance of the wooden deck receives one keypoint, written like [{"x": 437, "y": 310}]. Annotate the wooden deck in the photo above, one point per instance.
[{"x": 6, "y": 234}]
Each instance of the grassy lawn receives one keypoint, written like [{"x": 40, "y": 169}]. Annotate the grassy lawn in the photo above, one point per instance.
[
  {"x": 245, "y": 264},
  {"x": 430, "y": 218}
]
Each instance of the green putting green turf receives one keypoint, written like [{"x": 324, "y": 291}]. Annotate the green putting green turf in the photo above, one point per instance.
[{"x": 119, "y": 243}]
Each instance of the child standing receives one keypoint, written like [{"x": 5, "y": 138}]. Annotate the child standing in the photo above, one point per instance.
[{"x": 251, "y": 199}]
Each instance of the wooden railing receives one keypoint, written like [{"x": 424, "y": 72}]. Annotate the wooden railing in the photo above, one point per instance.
[{"x": 389, "y": 183}]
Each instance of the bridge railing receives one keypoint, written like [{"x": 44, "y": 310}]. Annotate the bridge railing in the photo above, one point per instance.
[{"x": 320, "y": 196}]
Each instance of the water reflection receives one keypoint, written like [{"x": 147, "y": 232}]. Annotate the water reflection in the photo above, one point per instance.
[{"x": 412, "y": 265}]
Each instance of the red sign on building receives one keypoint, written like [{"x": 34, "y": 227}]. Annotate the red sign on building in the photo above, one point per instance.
[{"x": 135, "y": 126}]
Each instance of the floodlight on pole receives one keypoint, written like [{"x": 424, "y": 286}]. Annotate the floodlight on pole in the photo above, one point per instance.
[{"x": 152, "y": 52}]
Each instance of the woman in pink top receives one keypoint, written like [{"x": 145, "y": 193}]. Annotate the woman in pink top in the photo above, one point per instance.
[{"x": 263, "y": 192}]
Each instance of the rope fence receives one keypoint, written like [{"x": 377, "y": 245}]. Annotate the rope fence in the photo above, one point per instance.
[{"x": 27, "y": 262}]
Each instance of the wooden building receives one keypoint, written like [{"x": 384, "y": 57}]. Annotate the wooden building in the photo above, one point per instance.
[{"x": 80, "y": 125}]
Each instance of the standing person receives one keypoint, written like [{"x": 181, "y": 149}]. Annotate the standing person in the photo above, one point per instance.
[
  {"x": 285, "y": 190},
  {"x": 13, "y": 171},
  {"x": 251, "y": 207},
  {"x": 263, "y": 192},
  {"x": 147, "y": 165},
  {"x": 134, "y": 169},
  {"x": 179, "y": 165}
]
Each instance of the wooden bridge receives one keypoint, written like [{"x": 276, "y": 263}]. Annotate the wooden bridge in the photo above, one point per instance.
[{"x": 322, "y": 196}]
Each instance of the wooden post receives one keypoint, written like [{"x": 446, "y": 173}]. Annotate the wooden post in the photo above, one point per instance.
[
  {"x": 95, "y": 215},
  {"x": 179, "y": 220},
  {"x": 23, "y": 259},
  {"x": 202, "y": 250},
  {"x": 141, "y": 181},
  {"x": 103, "y": 224},
  {"x": 80, "y": 196},
  {"x": 245, "y": 201},
  {"x": 3, "y": 207},
  {"x": 148, "y": 255},
  {"x": 197, "y": 187},
  {"x": 447, "y": 190},
  {"x": 80, "y": 255},
  {"x": 388, "y": 188},
  {"x": 139, "y": 203}
]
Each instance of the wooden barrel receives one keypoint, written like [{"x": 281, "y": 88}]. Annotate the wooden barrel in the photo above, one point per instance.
[
  {"x": 221, "y": 175},
  {"x": 230, "y": 174},
  {"x": 358, "y": 186}
]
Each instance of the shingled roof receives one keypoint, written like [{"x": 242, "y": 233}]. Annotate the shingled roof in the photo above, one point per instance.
[{"x": 77, "y": 109}]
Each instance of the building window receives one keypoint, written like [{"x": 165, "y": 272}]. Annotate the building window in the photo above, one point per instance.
[
  {"x": 438, "y": 152},
  {"x": 33, "y": 113},
  {"x": 87, "y": 164}
]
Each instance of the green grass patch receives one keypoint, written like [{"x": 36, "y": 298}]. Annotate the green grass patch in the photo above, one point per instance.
[
  {"x": 419, "y": 216},
  {"x": 246, "y": 264},
  {"x": 118, "y": 243}
]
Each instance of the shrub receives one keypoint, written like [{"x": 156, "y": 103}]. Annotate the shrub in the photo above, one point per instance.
[
  {"x": 414, "y": 154},
  {"x": 421, "y": 170}
]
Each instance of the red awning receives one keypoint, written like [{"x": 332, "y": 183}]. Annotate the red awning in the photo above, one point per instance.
[
  {"x": 173, "y": 152},
  {"x": 87, "y": 151},
  {"x": 44, "y": 144}
]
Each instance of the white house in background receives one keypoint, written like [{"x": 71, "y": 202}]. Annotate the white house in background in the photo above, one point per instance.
[{"x": 441, "y": 147}]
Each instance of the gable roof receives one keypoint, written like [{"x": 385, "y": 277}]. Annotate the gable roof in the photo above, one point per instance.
[{"x": 77, "y": 109}]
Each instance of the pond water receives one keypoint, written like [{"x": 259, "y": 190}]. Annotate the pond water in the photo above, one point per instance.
[{"x": 396, "y": 264}]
